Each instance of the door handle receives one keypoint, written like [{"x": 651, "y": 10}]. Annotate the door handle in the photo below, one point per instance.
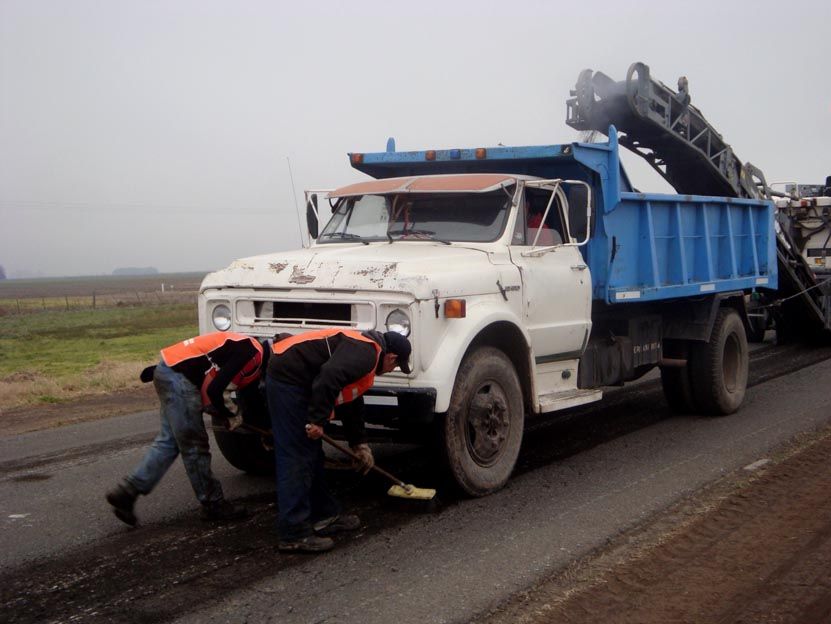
[{"x": 579, "y": 267}]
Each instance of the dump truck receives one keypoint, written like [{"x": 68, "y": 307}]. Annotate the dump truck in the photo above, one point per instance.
[{"x": 528, "y": 279}]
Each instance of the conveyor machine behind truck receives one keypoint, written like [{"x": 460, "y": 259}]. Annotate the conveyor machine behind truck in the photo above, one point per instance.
[
  {"x": 527, "y": 279},
  {"x": 663, "y": 127}
]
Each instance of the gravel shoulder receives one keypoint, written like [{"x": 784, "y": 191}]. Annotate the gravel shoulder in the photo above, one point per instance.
[
  {"x": 94, "y": 407},
  {"x": 752, "y": 547}
]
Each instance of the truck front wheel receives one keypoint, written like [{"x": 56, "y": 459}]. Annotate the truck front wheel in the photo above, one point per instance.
[
  {"x": 718, "y": 369},
  {"x": 245, "y": 451},
  {"x": 482, "y": 429}
]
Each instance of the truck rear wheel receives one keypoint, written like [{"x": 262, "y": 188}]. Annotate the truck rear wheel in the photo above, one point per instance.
[
  {"x": 718, "y": 369},
  {"x": 758, "y": 321},
  {"x": 245, "y": 451},
  {"x": 482, "y": 430}
]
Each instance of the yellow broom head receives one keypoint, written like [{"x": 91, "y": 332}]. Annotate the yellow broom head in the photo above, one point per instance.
[{"x": 411, "y": 491}]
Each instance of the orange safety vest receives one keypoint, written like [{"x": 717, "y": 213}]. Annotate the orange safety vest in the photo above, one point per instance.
[
  {"x": 353, "y": 390},
  {"x": 205, "y": 345}
]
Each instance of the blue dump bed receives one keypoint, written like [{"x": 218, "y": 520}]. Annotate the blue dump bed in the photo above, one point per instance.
[{"x": 643, "y": 247}]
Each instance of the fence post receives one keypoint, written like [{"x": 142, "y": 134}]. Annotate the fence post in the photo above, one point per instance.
[
  {"x": 18, "y": 305},
  {"x": 93, "y": 299},
  {"x": 66, "y": 298}
]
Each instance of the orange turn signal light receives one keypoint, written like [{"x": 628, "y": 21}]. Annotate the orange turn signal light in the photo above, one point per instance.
[
  {"x": 455, "y": 308},
  {"x": 356, "y": 159}
]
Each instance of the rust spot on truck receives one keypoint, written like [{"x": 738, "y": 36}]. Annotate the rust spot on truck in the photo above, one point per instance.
[
  {"x": 299, "y": 277},
  {"x": 240, "y": 265},
  {"x": 277, "y": 266},
  {"x": 377, "y": 273}
]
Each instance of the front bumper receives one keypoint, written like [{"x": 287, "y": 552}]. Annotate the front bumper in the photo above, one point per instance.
[{"x": 400, "y": 407}]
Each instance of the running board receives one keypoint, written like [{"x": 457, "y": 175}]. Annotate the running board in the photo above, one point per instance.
[{"x": 572, "y": 398}]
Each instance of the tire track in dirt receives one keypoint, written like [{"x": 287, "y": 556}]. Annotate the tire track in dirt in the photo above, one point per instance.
[{"x": 755, "y": 554}]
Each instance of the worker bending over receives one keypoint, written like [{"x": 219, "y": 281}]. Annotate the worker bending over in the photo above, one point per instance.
[
  {"x": 191, "y": 377},
  {"x": 308, "y": 375}
]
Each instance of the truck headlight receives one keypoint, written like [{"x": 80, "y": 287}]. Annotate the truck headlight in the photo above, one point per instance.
[
  {"x": 221, "y": 317},
  {"x": 398, "y": 322}
]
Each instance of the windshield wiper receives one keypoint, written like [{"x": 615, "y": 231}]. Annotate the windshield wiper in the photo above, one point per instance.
[
  {"x": 419, "y": 234},
  {"x": 348, "y": 236}
]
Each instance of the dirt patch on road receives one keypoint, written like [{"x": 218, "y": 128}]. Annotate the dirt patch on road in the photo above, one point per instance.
[
  {"x": 753, "y": 548},
  {"x": 18, "y": 420}
]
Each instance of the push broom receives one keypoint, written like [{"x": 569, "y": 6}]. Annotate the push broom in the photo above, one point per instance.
[{"x": 399, "y": 489}]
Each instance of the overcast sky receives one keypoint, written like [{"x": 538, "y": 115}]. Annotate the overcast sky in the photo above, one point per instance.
[{"x": 158, "y": 134}]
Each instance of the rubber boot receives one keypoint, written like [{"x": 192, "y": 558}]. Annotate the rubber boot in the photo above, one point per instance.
[{"x": 123, "y": 498}]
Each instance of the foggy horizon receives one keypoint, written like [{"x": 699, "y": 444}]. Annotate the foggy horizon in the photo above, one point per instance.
[{"x": 160, "y": 133}]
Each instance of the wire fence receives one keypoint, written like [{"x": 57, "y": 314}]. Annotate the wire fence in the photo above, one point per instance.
[
  {"x": 28, "y": 296},
  {"x": 95, "y": 301}
]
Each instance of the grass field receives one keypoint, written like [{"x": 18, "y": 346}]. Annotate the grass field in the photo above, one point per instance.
[
  {"x": 101, "y": 291},
  {"x": 55, "y": 355}
]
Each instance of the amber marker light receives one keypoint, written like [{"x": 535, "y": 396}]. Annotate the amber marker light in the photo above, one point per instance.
[
  {"x": 430, "y": 155},
  {"x": 481, "y": 153},
  {"x": 455, "y": 308},
  {"x": 356, "y": 159}
]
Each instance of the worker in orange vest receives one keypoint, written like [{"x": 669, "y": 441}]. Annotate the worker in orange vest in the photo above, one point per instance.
[
  {"x": 308, "y": 376},
  {"x": 190, "y": 379}
]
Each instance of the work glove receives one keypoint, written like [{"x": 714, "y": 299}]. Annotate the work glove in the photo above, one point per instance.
[
  {"x": 365, "y": 460},
  {"x": 220, "y": 421}
]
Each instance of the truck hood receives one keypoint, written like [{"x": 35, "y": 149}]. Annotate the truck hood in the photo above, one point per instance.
[{"x": 417, "y": 268}]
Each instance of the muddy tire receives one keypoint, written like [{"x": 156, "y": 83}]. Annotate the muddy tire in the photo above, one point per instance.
[
  {"x": 245, "y": 451},
  {"x": 718, "y": 369},
  {"x": 482, "y": 430},
  {"x": 757, "y": 325}
]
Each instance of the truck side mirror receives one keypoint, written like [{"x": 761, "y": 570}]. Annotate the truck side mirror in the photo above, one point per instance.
[{"x": 311, "y": 216}]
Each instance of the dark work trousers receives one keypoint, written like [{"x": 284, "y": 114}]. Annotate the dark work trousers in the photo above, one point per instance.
[{"x": 302, "y": 496}]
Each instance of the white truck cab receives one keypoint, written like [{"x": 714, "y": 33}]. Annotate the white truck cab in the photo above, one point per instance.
[{"x": 482, "y": 272}]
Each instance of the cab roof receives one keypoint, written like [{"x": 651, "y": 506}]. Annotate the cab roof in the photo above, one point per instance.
[{"x": 449, "y": 183}]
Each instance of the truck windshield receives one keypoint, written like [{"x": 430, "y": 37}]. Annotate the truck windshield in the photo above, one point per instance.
[{"x": 444, "y": 217}]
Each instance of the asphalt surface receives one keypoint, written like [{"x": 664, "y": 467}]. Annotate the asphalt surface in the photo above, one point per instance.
[{"x": 579, "y": 482}]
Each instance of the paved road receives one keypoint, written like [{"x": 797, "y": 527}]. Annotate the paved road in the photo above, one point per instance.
[
  {"x": 52, "y": 485},
  {"x": 579, "y": 482}
]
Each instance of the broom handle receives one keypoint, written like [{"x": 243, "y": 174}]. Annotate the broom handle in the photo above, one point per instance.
[
  {"x": 353, "y": 455},
  {"x": 341, "y": 448}
]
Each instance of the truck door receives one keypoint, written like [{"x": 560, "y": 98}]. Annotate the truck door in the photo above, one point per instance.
[{"x": 555, "y": 279}]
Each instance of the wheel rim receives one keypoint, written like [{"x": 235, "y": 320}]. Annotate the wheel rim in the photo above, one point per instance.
[
  {"x": 730, "y": 362},
  {"x": 487, "y": 424}
]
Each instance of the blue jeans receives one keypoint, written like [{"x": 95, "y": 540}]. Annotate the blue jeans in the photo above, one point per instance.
[
  {"x": 302, "y": 496},
  {"x": 182, "y": 431}
]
